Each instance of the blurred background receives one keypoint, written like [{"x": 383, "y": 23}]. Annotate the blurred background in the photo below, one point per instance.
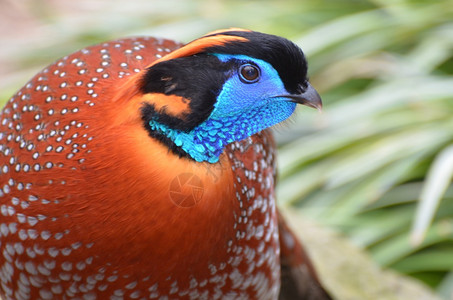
[{"x": 372, "y": 172}]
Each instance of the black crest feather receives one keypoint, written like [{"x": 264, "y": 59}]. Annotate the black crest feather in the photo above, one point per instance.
[{"x": 285, "y": 56}]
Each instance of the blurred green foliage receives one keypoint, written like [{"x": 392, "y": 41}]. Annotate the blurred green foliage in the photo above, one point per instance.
[
  {"x": 361, "y": 167},
  {"x": 384, "y": 69}
]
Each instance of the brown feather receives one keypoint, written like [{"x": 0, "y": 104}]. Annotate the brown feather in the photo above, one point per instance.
[{"x": 298, "y": 278}]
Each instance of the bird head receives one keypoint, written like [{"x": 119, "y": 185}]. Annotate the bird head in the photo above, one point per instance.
[{"x": 221, "y": 88}]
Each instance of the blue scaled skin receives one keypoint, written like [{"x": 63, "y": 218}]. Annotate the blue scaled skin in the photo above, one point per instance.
[{"x": 242, "y": 109}]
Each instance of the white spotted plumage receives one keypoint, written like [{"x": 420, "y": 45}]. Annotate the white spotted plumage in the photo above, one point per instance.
[{"x": 48, "y": 137}]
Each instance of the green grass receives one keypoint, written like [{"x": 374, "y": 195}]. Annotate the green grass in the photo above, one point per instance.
[
  {"x": 384, "y": 69},
  {"x": 364, "y": 164}
]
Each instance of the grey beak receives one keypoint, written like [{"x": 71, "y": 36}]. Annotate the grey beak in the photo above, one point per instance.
[{"x": 309, "y": 97}]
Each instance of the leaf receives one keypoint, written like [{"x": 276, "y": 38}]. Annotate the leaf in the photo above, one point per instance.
[
  {"x": 396, "y": 248},
  {"x": 445, "y": 288},
  {"x": 432, "y": 260},
  {"x": 437, "y": 181}
]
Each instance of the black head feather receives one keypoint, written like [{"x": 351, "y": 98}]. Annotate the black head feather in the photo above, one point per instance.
[
  {"x": 285, "y": 56},
  {"x": 196, "y": 78}
]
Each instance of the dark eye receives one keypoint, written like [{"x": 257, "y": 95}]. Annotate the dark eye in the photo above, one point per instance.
[{"x": 249, "y": 73}]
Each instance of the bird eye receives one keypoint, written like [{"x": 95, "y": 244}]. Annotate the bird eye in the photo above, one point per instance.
[{"x": 249, "y": 73}]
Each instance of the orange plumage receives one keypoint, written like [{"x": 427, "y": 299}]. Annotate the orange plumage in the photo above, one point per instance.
[{"x": 93, "y": 208}]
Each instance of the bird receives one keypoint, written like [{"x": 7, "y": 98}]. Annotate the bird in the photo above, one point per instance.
[{"x": 144, "y": 168}]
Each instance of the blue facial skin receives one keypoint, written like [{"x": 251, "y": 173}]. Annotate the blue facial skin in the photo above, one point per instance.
[{"x": 242, "y": 109}]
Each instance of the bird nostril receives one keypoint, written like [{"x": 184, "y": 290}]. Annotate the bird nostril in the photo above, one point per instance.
[{"x": 301, "y": 88}]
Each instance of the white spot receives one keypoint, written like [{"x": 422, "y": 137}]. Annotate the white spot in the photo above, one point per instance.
[
  {"x": 131, "y": 285},
  {"x": 30, "y": 268},
  {"x": 43, "y": 270},
  {"x": 66, "y": 251},
  {"x": 32, "y": 233},
  {"x": 57, "y": 289},
  {"x": 135, "y": 295},
  {"x": 45, "y": 235},
  {"x": 65, "y": 276},
  {"x": 66, "y": 266},
  {"x": 52, "y": 252},
  {"x": 89, "y": 296},
  {"x": 49, "y": 264},
  {"x": 80, "y": 265},
  {"x": 23, "y": 234},
  {"x": 12, "y": 227},
  {"x": 32, "y": 220},
  {"x": 19, "y": 248}
]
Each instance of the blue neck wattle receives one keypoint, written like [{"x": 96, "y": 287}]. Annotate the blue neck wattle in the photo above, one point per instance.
[{"x": 207, "y": 141}]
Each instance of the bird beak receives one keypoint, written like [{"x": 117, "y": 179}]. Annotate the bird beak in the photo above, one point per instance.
[{"x": 309, "y": 97}]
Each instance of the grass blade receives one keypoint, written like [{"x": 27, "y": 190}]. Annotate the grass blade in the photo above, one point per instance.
[{"x": 437, "y": 181}]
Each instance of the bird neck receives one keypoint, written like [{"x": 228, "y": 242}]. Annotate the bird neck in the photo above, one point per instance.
[{"x": 207, "y": 141}]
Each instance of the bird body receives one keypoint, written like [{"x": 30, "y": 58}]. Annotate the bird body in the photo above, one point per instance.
[{"x": 122, "y": 178}]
